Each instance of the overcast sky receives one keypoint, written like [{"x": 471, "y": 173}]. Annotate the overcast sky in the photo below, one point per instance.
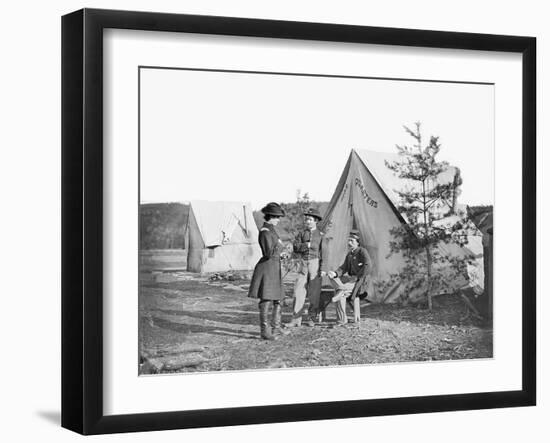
[{"x": 258, "y": 138}]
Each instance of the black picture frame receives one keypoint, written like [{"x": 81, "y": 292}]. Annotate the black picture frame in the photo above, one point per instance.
[{"x": 82, "y": 218}]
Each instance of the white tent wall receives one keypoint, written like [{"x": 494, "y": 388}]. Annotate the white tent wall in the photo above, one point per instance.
[
  {"x": 232, "y": 257},
  {"x": 472, "y": 249},
  {"x": 222, "y": 237},
  {"x": 390, "y": 182},
  {"x": 219, "y": 221}
]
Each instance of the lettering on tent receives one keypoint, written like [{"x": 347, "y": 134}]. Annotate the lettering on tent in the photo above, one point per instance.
[{"x": 370, "y": 201}]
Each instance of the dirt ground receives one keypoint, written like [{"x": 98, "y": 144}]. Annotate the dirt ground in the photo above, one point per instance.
[{"x": 189, "y": 323}]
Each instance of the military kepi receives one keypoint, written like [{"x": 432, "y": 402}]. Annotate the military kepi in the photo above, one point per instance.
[
  {"x": 354, "y": 234},
  {"x": 313, "y": 212},
  {"x": 273, "y": 209}
]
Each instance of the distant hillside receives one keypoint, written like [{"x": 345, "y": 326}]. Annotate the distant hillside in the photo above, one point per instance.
[{"x": 161, "y": 225}]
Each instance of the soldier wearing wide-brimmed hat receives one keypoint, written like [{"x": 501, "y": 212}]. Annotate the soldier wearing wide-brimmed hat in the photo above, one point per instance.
[
  {"x": 266, "y": 283},
  {"x": 308, "y": 246}
]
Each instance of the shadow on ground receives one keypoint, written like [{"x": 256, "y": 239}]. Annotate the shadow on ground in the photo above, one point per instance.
[{"x": 193, "y": 328}]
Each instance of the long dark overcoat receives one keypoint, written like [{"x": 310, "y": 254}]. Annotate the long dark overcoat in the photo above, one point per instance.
[{"x": 267, "y": 281}]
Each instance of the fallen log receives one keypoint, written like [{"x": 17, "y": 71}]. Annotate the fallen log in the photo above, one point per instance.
[{"x": 185, "y": 361}]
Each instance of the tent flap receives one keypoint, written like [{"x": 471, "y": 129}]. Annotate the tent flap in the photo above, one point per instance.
[
  {"x": 223, "y": 237},
  {"x": 225, "y": 222}
]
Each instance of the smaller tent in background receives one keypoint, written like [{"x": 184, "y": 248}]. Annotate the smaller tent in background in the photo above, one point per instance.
[{"x": 222, "y": 236}]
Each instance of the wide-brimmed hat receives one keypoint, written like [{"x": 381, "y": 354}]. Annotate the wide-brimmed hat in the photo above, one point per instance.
[
  {"x": 273, "y": 209},
  {"x": 355, "y": 234},
  {"x": 313, "y": 212}
]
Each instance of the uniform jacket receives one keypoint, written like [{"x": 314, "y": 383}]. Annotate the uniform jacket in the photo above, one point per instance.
[
  {"x": 266, "y": 280},
  {"x": 357, "y": 264},
  {"x": 315, "y": 248}
]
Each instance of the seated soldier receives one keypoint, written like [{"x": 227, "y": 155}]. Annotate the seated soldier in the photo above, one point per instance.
[{"x": 350, "y": 279}]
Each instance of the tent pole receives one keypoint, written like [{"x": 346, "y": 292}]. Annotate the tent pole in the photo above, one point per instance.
[{"x": 245, "y": 221}]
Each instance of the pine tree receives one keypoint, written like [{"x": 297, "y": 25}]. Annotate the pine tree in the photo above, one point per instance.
[
  {"x": 427, "y": 201},
  {"x": 293, "y": 221}
]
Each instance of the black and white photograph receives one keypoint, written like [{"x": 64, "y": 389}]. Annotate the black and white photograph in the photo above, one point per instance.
[
  {"x": 297, "y": 220},
  {"x": 252, "y": 221}
]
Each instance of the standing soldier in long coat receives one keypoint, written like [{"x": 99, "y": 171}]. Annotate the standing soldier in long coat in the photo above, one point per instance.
[{"x": 266, "y": 283}]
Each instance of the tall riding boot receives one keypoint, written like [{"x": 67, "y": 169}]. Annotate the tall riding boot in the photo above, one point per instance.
[
  {"x": 265, "y": 328},
  {"x": 276, "y": 320},
  {"x": 312, "y": 315}
]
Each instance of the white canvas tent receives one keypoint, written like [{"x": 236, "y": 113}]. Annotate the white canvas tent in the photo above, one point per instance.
[
  {"x": 365, "y": 199},
  {"x": 222, "y": 236}
]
